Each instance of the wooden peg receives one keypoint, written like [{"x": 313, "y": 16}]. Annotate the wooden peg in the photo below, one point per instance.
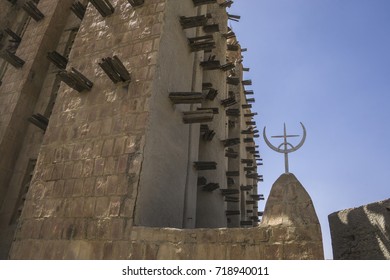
[
  {"x": 104, "y": 7},
  {"x": 32, "y": 10},
  {"x": 136, "y": 3},
  {"x": 78, "y": 9}
]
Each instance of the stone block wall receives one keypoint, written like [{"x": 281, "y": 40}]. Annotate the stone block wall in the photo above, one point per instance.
[
  {"x": 361, "y": 233},
  {"x": 25, "y": 91},
  {"x": 117, "y": 160},
  {"x": 260, "y": 243},
  {"x": 21, "y": 87},
  {"x": 87, "y": 173}
]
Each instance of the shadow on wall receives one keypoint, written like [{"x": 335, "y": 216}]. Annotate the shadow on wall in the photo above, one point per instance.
[{"x": 362, "y": 233}]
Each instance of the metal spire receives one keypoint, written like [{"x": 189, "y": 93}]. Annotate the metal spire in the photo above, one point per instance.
[{"x": 286, "y": 144}]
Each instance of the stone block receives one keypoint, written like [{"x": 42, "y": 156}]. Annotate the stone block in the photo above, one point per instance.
[
  {"x": 128, "y": 208},
  {"x": 37, "y": 251},
  {"x": 166, "y": 251},
  {"x": 252, "y": 253},
  {"x": 89, "y": 207},
  {"x": 89, "y": 185},
  {"x": 48, "y": 253},
  {"x": 57, "y": 172},
  {"x": 78, "y": 187},
  {"x": 117, "y": 229},
  {"x": 103, "y": 229},
  {"x": 151, "y": 251},
  {"x": 49, "y": 187},
  {"x": 110, "y": 166},
  {"x": 31, "y": 229},
  {"x": 76, "y": 206},
  {"x": 85, "y": 251},
  {"x": 77, "y": 169},
  {"x": 97, "y": 250},
  {"x": 68, "y": 188},
  {"x": 108, "y": 250},
  {"x": 188, "y": 237},
  {"x": 91, "y": 229},
  {"x": 71, "y": 251},
  {"x": 121, "y": 250},
  {"x": 58, "y": 189},
  {"x": 115, "y": 206},
  {"x": 98, "y": 166},
  {"x": 97, "y": 148},
  {"x": 132, "y": 144},
  {"x": 68, "y": 170},
  {"x": 201, "y": 251},
  {"x": 292, "y": 251},
  {"x": 137, "y": 251},
  {"x": 80, "y": 229},
  {"x": 52, "y": 208},
  {"x": 279, "y": 234},
  {"x": 237, "y": 251},
  {"x": 273, "y": 251},
  {"x": 101, "y": 208},
  {"x": 101, "y": 185},
  {"x": 88, "y": 167},
  {"x": 207, "y": 236},
  {"x": 77, "y": 151}
]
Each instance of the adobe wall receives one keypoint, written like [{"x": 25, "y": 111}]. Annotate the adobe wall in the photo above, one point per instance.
[
  {"x": 25, "y": 91},
  {"x": 210, "y": 206},
  {"x": 102, "y": 175},
  {"x": 168, "y": 193},
  {"x": 259, "y": 243},
  {"x": 278, "y": 237},
  {"x": 361, "y": 233},
  {"x": 171, "y": 145},
  {"x": 21, "y": 87},
  {"x": 87, "y": 173}
]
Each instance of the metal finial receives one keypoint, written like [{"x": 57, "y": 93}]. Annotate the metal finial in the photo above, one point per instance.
[{"x": 285, "y": 150}]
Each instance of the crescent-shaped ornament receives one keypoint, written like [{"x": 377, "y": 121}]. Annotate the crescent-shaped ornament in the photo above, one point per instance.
[
  {"x": 302, "y": 140},
  {"x": 285, "y": 144},
  {"x": 269, "y": 143}
]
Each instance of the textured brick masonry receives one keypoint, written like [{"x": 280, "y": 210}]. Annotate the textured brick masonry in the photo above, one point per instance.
[{"x": 114, "y": 176}]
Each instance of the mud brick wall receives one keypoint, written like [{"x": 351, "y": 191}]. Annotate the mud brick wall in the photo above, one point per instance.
[
  {"x": 21, "y": 87},
  {"x": 261, "y": 243},
  {"x": 85, "y": 184},
  {"x": 210, "y": 210},
  {"x": 19, "y": 94},
  {"x": 113, "y": 159},
  {"x": 361, "y": 233},
  {"x": 171, "y": 145}
]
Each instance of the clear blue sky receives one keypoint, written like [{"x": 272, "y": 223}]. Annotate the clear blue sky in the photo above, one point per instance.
[{"x": 325, "y": 63}]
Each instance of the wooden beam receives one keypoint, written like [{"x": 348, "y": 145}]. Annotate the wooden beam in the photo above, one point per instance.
[
  {"x": 12, "y": 59},
  {"x": 32, "y": 10},
  {"x": 78, "y": 9},
  {"x": 75, "y": 80},
  {"x": 104, "y": 7},
  {"x": 57, "y": 59},
  {"x": 136, "y": 3}
]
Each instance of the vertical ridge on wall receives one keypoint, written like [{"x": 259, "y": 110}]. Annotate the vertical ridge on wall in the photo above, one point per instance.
[{"x": 163, "y": 183}]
